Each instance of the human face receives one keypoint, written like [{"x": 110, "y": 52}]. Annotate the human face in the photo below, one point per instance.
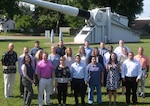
[
  {"x": 44, "y": 56},
  {"x": 62, "y": 61},
  {"x": 11, "y": 46},
  {"x": 77, "y": 59},
  {"x": 93, "y": 60},
  {"x": 113, "y": 56},
  {"x": 121, "y": 43},
  {"x": 27, "y": 59},
  {"x": 37, "y": 45},
  {"x": 86, "y": 44},
  {"x": 131, "y": 56},
  {"x": 96, "y": 52},
  {"x": 26, "y": 50},
  {"x": 53, "y": 49},
  {"x": 140, "y": 51},
  {"x": 124, "y": 51},
  {"x": 102, "y": 45}
]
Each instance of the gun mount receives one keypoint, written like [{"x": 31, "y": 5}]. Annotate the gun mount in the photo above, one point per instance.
[{"x": 102, "y": 25}]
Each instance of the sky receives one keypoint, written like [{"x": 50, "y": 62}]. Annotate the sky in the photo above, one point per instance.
[{"x": 146, "y": 9}]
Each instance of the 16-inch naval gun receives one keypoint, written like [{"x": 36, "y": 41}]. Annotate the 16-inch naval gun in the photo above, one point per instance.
[{"x": 101, "y": 23}]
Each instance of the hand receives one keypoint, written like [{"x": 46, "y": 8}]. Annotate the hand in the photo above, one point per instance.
[
  {"x": 123, "y": 79},
  {"x": 146, "y": 75},
  {"x": 137, "y": 80}
]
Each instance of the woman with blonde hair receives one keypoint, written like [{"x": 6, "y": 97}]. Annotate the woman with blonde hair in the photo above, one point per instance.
[
  {"x": 81, "y": 52},
  {"x": 37, "y": 59}
]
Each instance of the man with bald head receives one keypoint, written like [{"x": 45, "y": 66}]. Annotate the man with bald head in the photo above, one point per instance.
[
  {"x": 118, "y": 50},
  {"x": 9, "y": 60},
  {"x": 144, "y": 61}
]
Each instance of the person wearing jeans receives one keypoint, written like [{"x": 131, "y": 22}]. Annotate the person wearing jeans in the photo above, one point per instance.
[{"x": 95, "y": 78}]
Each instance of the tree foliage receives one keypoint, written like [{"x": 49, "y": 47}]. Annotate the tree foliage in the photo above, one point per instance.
[
  {"x": 25, "y": 22},
  {"x": 9, "y": 8},
  {"x": 47, "y": 19}
]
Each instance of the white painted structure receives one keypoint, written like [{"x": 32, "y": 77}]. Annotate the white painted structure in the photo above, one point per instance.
[
  {"x": 102, "y": 25},
  {"x": 7, "y": 25},
  {"x": 111, "y": 28}
]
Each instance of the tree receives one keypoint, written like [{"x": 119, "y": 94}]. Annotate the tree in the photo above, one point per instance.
[
  {"x": 9, "y": 8},
  {"x": 25, "y": 22}
]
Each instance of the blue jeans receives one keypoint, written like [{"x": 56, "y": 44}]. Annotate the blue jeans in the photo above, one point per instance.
[{"x": 91, "y": 93}]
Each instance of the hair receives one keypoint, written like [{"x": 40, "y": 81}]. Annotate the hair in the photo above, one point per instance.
[
  {"x": 79, "y": 50},
  {"x": 67, "y": 51},
  {"x": 37, "y": 55},
  {"x": 24, "y": 61},
  {"x": 110, "y": 60},
  {"x": 93, "y": 51},
  {"x": 78, "y": 56},
  {"x": 36, "y": 41},
  {"x": 62, "y": 57}
]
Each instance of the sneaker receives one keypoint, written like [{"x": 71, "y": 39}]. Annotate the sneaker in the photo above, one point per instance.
[
  {"x": 59, "y": 104},
  {"x": 142, "y": 95},
  {"x": 6, "y": 97}
]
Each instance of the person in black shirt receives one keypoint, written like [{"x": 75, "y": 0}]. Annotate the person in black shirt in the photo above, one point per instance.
[
  {"x": 9, "y": 60},
  {"x": 61, "y": 48},
  {"x": 62, "y": 74}
]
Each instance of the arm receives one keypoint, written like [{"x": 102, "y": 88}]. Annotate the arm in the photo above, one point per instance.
[
  {"x": 24, "y": 71},
  {"x": 107, "y": 68},
  {"x": 139, "y": 68}
]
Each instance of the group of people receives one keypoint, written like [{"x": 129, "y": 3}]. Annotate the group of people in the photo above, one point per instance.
[{"x": 90, "y": 68}]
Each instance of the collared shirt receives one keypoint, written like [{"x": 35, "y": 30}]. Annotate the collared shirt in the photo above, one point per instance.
[
  {"x": 34, "y": 50},
  {"x": 102, "y": 51},
  {"x": 144, "y": 61},
  {"x": 118, "y": 50},
  {"x": 106, "y": 58},
  {"x": 20, "y": 62},
  {"x": 78, "y": 71},
  {"x": 54, "y": 59},
  {"x": 131, "y": 68},
  {"x": 94, "y": 73},
  {"x": 88, "y": 52},
  {"x": 44, "y": 69}
]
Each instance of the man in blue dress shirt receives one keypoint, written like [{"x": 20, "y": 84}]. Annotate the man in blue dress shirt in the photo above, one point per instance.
[
  {"x": 79, "y": 79},
  {"x": 131, "y": 74}
]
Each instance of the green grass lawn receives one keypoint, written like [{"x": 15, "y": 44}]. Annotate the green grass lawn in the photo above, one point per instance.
[{"x": 45, "y": 43}]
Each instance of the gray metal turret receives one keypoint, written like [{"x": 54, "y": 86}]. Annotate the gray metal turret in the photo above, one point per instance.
[{"x": 102, "y": 25}]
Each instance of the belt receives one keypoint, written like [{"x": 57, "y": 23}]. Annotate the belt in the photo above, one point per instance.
[
  {"x": 130, "y": 77},
  {"x": 9, "y": 67},
  {"x": 46, "y": 78}
]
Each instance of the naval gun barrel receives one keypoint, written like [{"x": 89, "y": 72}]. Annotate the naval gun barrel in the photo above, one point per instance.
[{"x": 65, "y": 9}]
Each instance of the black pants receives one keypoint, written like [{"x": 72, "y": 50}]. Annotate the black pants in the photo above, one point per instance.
[
  {"x": 79, "y": 88},
  {"x": 62, "y": 92},
  {"x": 131, "y": 84},
  {"x": 21, "y": 86},
  {"x": 28, "y": 94}
]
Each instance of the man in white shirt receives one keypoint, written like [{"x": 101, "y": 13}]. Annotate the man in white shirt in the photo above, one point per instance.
[
  {"x": 118, "y": 50},
  {"x": 131, "y": 74}
]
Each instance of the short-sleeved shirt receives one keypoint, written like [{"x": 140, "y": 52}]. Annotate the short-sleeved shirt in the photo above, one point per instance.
[
  {"x": 44, "y": 69},
  {"x": 144, "y": 61}
]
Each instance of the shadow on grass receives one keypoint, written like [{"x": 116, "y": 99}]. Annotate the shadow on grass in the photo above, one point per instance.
[{"x": 15, "y": 40}]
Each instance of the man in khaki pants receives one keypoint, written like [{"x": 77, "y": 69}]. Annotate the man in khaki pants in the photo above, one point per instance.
[
  {"x": 9, "y": 60},
  {"x": 144, "y": 61}
]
